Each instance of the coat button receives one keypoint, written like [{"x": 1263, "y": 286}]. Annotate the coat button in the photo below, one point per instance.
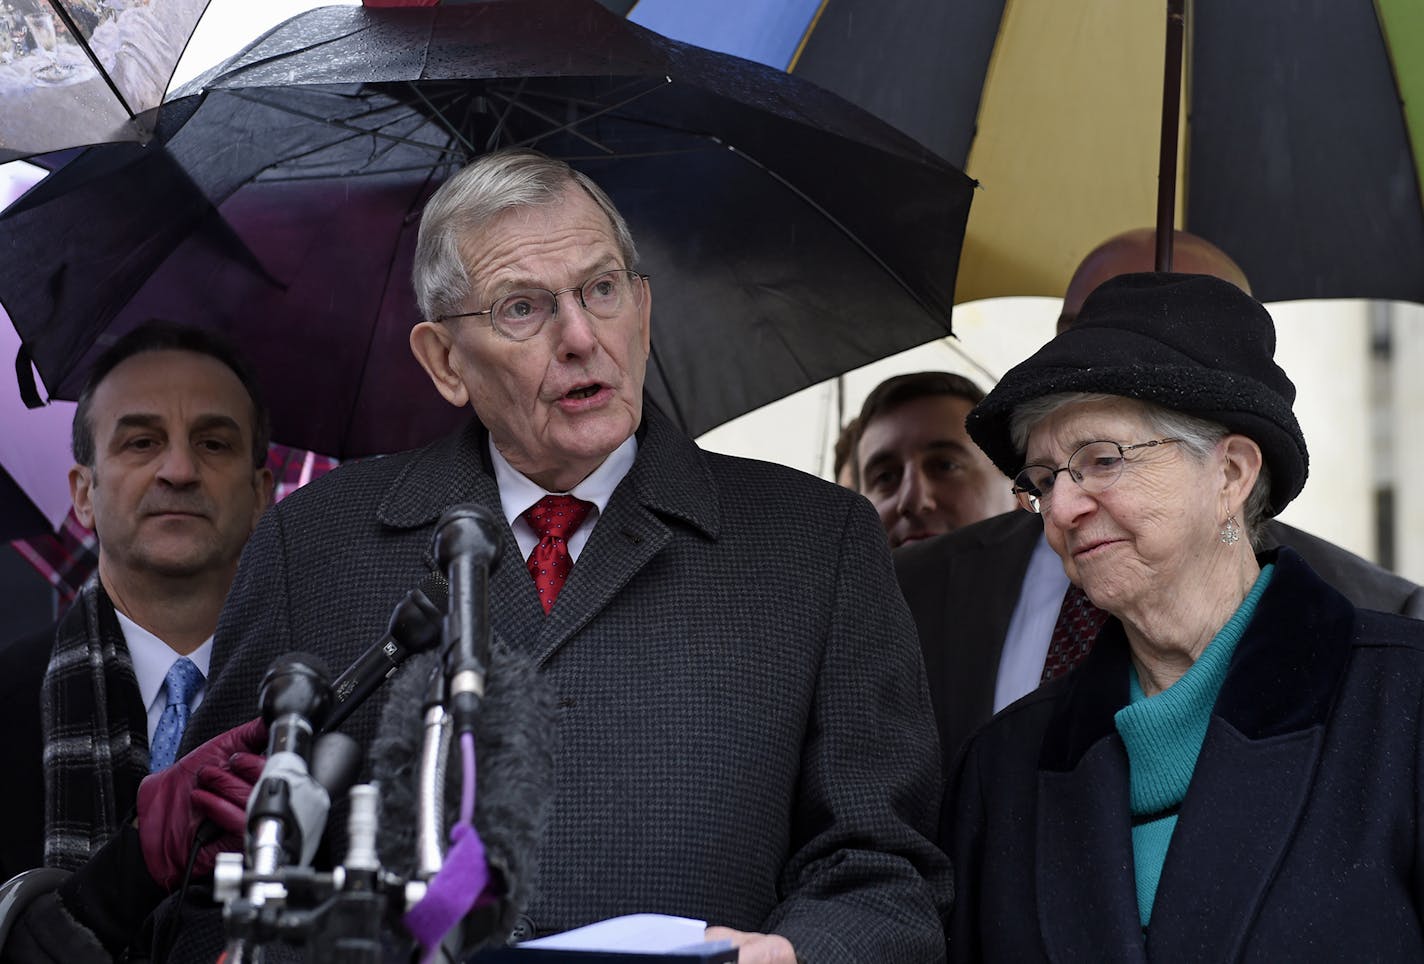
[{"x": 523, "y": 930}]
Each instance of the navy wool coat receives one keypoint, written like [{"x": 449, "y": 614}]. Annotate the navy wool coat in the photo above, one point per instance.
[
  {"x": 744, "y": 729},
  {"x": 1298, "y": 839}
]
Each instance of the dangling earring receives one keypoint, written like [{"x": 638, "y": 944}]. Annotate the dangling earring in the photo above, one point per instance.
[{"x": 1231, "y": 531}]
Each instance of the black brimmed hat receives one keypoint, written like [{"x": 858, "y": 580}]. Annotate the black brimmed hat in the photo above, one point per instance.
[{"x": 1188, "y": 343}]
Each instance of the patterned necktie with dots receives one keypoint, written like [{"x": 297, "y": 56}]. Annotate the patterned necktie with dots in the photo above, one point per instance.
[
  {"x": 183, "y": 680},
  {"x": 1078, "y": 624},
  {"x": 553, "y": 518}
]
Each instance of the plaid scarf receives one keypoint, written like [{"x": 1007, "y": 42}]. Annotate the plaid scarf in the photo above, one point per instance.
[{"x": 95, "y": 731}]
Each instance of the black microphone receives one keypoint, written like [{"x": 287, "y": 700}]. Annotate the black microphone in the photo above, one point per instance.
[
  {"x": 293, "y": 696},
  {"x": 466, "y": 545},
  {"x": 414, "y": 628},
  {"x": 286, "y": 813}
]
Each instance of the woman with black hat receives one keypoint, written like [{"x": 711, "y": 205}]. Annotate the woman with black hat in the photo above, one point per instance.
[{"x": 1236, "y": 770}]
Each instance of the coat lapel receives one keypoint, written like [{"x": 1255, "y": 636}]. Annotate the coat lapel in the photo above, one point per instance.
[
  {"x": 1258, "y": 762},
  {"x": 1087, "y": 896},
  {"x": 453, "y": 471},
  {"x": 1235, "y": 826},
  {"x": 991, "y": 578},
  {"x": 668, "y": 484}
]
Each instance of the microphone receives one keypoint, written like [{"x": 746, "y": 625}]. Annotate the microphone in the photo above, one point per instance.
[
  {"x": 414, "y": 628},
  {"x": 515, "y": 754},
  {"x": 466, "y": 546},
  {"x": 286, "y": 813}
]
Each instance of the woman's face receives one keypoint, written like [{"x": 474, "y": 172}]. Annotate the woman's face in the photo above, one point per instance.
[{"x": 1155, "y": 530}]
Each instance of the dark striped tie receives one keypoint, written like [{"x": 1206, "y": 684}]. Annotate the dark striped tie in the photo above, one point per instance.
[{"x": 1078, "y": 624}]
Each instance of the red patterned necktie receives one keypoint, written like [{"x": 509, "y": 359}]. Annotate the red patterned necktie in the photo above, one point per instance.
[
  {"x": 554, "y": 518},
  {"x": 1078, "y": 624}
]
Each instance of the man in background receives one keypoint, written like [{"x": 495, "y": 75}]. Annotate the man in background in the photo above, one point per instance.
[
  {"x": 994, "y": 610},
  {"x": 844, "y": 470},
  {"x": 170, "y": 449},
  {"x": 916, "y": 463}
]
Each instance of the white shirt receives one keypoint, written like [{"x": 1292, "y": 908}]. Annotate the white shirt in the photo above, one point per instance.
[
  {"x": 1031, "y": 627},
  {"x": 152, "y": 658},
  {"x": 517, "y": 494}
]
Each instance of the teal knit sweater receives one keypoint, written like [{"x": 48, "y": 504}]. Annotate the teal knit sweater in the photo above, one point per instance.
[{"x": 1163, "y": 735}]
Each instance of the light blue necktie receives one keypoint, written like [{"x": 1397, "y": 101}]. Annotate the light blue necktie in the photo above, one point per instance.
[{"x": 182, "y": 680}]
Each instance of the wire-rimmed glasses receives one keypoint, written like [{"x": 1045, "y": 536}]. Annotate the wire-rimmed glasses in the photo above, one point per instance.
[
  {"x": 1095, "y": 466},
  {"x": 520, "y": 315}
]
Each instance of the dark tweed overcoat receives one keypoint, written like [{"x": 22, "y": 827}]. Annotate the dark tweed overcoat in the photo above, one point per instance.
[
  {"x": 744, "y": 730},
  {"x": 1299, "y": 837}
]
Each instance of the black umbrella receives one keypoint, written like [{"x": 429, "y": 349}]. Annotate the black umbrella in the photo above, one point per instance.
[
  {"x": 790, "y": 235},
  {"x": 76, "y": 72}
]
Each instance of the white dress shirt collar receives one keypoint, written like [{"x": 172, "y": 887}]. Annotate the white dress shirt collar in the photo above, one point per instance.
[
  {"x": 152, "y": 658},
  {"x": 517, "y": 493},
  {"x": 1031, "y": 627}
]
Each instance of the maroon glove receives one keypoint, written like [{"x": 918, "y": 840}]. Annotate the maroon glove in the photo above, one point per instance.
[{"x": 213, "y": 782}]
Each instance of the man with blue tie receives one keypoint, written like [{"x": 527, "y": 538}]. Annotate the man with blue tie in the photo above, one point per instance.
[{"x": 170, "y": 448}]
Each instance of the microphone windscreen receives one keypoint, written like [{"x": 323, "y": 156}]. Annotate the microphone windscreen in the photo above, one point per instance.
[{"x": 514, "y": 751}]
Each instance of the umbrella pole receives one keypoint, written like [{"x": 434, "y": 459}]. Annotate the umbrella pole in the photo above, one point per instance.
[{"x": 1171, "y": 116}]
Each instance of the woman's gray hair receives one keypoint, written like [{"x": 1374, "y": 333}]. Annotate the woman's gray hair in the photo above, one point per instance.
[
  {"x": 476, "y": 195},
  {"x": 1199, "y": 436}
]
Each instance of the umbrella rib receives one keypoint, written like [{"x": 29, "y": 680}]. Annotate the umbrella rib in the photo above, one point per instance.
[
  {"x": 835, "y": 222},
  {"x": 554, "y": 128},
  {"x": 503, "y": 118},
  {"x": 391, "y": 143},
  {"x": 441, "y": 119},
  {"x": 342, "y": 125},
  {"x": 570, "y": 125},
  {"x": 289, "y": 178},
  {"x": 570, "y": 158},
  {"x": 78, "y": 38},
  {"x": 644, "y": 122}
]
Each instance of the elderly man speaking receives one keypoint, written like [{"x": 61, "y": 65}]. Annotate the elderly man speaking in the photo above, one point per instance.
[{"x": 744, "y": 728}]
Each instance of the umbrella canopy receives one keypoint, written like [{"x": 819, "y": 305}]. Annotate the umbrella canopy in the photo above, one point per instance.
[
  {"x": 76, "y": 72},
  {"x": 789, "y": 235},
  {"x": 1303, "y": 125}
]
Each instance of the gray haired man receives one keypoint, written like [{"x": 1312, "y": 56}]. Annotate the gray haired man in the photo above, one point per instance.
[{"x": 744, "y": 728}]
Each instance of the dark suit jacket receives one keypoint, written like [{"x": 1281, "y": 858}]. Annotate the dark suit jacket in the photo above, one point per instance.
[
  {"x": 962, "y": 588},
  {"x": 1299, "y": 837},
  {"x": 1362, "y": 582},
  {"x": 744, "y": 732},
  {"x": 22, "y": 805}
]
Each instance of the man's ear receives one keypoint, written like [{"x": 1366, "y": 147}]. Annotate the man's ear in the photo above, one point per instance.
[
  {"x": 432, "y": 345},
  {"x": 647, "y": 317},
  {"x": 81, "y": 484},
  {"x": 262, "y": 479}
]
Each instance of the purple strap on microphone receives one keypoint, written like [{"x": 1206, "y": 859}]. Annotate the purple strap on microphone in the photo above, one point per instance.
[{"x": 464, "y": 878}]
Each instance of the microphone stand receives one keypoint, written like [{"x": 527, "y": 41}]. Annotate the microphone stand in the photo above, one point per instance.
[
  {"x": 287, "y": 809},
  {"x": 339, "y": 915},
  {"x": 466, "y": 544},
  {"x": 430, "y": 792}
]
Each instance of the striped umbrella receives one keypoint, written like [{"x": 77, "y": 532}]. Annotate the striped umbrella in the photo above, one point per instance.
[{"x": 1302, "y": 123}]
